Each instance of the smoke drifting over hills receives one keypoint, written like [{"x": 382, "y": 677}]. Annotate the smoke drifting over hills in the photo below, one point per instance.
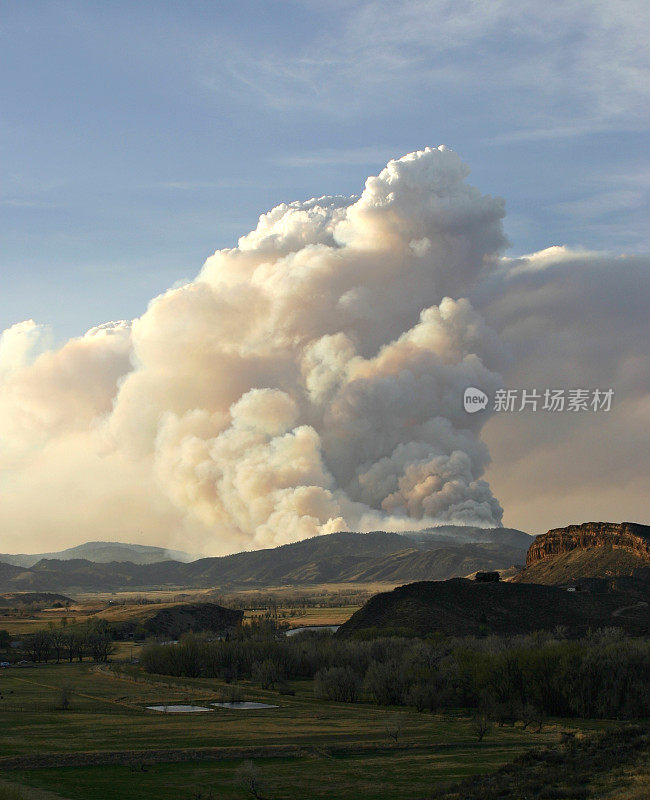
[{"x": 309, "y": 380}]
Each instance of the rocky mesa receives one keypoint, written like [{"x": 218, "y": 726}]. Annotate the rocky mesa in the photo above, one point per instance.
[{"x": 589, "y": 550}]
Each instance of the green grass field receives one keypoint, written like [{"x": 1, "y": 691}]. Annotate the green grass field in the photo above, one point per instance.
[
  {"x": 404, "y": 775},
  {"x": 346, "y": 751}
]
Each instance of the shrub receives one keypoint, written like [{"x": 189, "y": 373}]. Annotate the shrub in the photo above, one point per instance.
[{"x": 340, "y": 684}]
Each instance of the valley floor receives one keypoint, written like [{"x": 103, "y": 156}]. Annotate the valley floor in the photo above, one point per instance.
[{"x": 106, "y": 745}]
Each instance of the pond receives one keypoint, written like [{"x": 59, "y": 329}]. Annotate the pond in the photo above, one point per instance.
[
  {"x": 244, "y": 705},
  {"x": 178, "y": 709},
  {"x": 312, "y": 629}
]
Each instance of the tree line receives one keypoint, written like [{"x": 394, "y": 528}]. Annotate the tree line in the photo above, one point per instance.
[
  {"x": 605, "y": 674},
  {"x": 94, "y": 640}
]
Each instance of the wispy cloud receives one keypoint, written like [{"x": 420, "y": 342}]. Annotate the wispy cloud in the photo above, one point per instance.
[
  {"x": 545, "y": 70},
  {"x": 602, "y": 204},
  {"x": 330, "y": 156},
  {"x": 585, "y": 127},
  {"x": 197, "y": 186}
]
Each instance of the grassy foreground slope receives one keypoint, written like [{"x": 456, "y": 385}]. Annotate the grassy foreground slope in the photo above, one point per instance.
[
  {"x": 610, "y": 765},
  {"x": 303, "y": 748}
]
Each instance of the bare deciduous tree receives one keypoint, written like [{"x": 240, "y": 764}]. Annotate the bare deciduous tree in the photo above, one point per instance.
[
  {"x": 481, "y": 725},
  {"x": 249, "y": 778},
  {"x": 64, "y": 698},
  {"x": 394, "y": 726}
]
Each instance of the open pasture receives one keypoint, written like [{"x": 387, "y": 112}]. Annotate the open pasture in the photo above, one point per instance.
[{"x": 78, "y": 717}]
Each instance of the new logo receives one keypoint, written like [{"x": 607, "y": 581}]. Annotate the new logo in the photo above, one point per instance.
[{"x": 474, "y": 400}]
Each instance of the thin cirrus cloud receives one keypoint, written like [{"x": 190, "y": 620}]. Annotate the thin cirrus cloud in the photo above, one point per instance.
[
  {"x": 574, "y": 67},
  {"x": 330, "y": 156},
  {"x": 603, "y": 203}
]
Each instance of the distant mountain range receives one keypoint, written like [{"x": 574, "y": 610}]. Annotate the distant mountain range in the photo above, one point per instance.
[
  {"x": 436, "y": 554},
  {"x": 101, "y": 553}
]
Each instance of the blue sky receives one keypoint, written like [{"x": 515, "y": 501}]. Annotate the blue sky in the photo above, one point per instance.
[{"x": 136, "y": 138}]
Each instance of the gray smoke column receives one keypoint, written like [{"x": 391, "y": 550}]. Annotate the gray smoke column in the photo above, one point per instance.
[{"x": 309, "y": 380}]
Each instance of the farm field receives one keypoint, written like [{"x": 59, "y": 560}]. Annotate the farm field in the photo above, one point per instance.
[
  {"x": 285, "y": 605},
  {"x": 341, "y": 750},
  {"x": 335, "y": 615}
]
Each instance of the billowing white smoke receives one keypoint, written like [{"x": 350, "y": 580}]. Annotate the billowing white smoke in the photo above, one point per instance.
[{"x": 309, "y": 380}]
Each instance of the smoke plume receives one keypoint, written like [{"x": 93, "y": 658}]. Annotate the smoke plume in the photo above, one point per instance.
[{"x": 309, "y": 380}]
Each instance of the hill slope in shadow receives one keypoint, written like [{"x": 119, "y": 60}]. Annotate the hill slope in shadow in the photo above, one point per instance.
[{"x": 464, "y": 607}]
